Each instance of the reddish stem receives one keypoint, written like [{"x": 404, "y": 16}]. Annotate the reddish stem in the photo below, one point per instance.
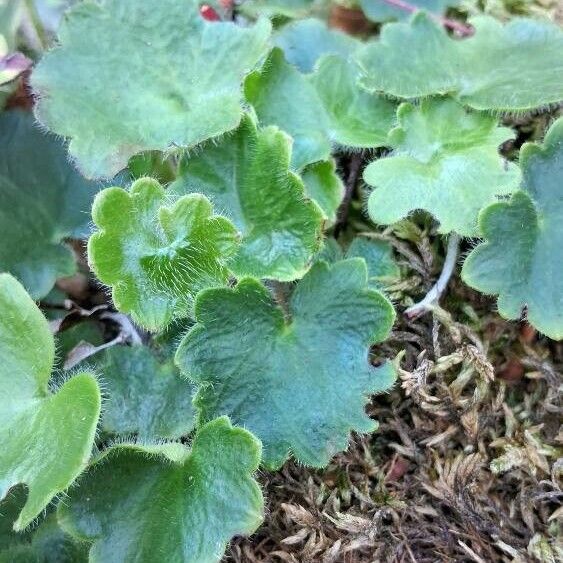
[{"x": 463, "y": 30}]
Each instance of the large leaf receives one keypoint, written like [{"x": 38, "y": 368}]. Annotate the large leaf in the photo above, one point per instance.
[
  {"x": 299, "y": 382},
  {"x": 137, "y": 503},
  {"x": 383, "y": 11},
  {"x": 282, "y": 96},
  {"x": 145, "y": 394},
  {"x": 270, "y": 8},
  {"x": 446, "y": 161},
  {"x": 161, "y": 77},
  {"x": 157, "y": 257},
  {"x": 305, "y": 41},
  {"x": 42, "y": 201},
  {"x": 517, "y": 66},
  {"x": 246, "y": 176},
  {"x": 46, "y": 436},
  {"x": 520, "y": 259}
]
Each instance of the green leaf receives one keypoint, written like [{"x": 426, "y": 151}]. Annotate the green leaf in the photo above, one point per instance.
[
  {"x": 157, "y": 257},
  {"x": 516, "y": 66},
  {"x": 318, "y": 110},
  {"x": 446, "y": 161},
  {"x": 523, "y": 239},
  {"x": 183, "y": 505},
  {"x": 378, "y": 255},
  {"x": 356, "y": 118},
  {"x": 305, "y": 41},
  {"x": 46, "y": 436},
  {"x": 299, "y": 383},
  {"x": 246, "y": 176},
  {"x": 146, "y": 395},
  {"x": 162, "y": 77},
  {"x": 323, "y": 185},
  {"x": 382, "y": 11},
  {"x": 42, "y": 201},
  {"x": 282, "y": 96}
]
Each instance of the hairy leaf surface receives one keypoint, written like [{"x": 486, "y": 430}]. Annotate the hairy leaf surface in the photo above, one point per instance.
[
  {"x": 130, "y": 76},
  {"x": 305, "y": 41},
  {"x": 42, "y": 201},
  {"x": 300, "y": 383},
  {"x": 46, "y": 436},
  {"x": 156, "y": 257},
  {"x": 517, "y": 66},
  {"x": 145, "y": 394},
  {"x": 519, "y": 259},
  {"x": 246, "y": 176},
  {"x": 182, "y": 504},
  {"x": 446, "y": 161}
]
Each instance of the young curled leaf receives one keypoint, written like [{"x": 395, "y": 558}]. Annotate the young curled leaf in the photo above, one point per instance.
[
  {"x": 530, "y": 274},
  {"x": 182, "y": 504},
  {"x": 299, "y": 382},
  {"x": 46, "y": 435},
  {"x": 155, "y": 256},
  {"x": 161, "y": 77}
]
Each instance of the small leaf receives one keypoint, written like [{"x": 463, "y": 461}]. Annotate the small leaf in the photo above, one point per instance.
[
  {"x": 183, "y": 505},
  {"x": 162, "y": 77},
  {"x": 305, "y": 41},
  {"x": 523, "y": 239},
  {"x": 516, "y": 66},
  {"x": 246, "y": 175},
  {"x": 157, "y": 257},
  {"x": 323, "y": 185},
  {"x": 282, "y": 96},
  {"x": 446, "y": 161},
  {"x": 42, "y": 201},
  {"x": 146, "y": 395},
  {"x": 46, "y": 436},
  {"x": 261, "y": 368},
  {"x": 382, "y": 11},
  {"x": 356, "y": 118},
  {"x": 378, "y": 255}
]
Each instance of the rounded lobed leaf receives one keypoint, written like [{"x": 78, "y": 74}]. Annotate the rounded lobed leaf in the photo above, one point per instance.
[
  {"x": 157, "y": 257},
  {"x": 246, "y": 176},
  {"x": 445, "y": 160},
  {"x": 530, "y": 225},
  {"x": 46, "y": 437},
  {"x": 512, "y": 67},
  {"x": 162, "y": 77},
  {"x": 262, "y": 369},
  {"x": 184, "y": 505}
]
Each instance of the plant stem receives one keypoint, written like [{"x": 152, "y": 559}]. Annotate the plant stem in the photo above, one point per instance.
[
  {"x": 433, "y": 296},
  {"x": 463, "y": 30}
]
